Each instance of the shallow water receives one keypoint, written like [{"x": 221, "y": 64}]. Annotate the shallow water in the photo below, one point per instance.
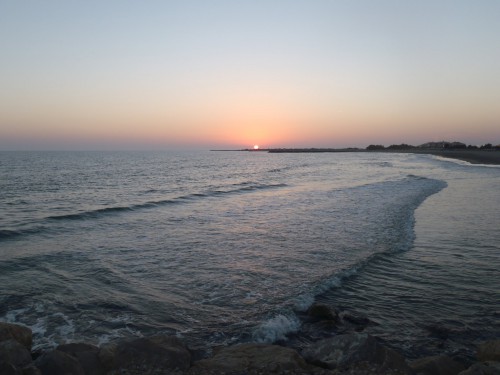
[
  {"x": 444, "y": 294},
  {"x": 226, "y": 247}
]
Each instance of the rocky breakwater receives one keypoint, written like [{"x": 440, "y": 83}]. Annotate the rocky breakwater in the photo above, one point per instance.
[{"x": 352, "y": 353}]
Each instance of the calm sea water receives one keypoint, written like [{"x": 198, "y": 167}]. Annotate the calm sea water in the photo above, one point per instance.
[{"x": 222, "y": 247}]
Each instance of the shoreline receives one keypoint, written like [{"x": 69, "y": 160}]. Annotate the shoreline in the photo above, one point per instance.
[
  {"x": 490, "y": 157},
  {"x": 353, "y": 352},
  {"x": 320, "y": 325}
]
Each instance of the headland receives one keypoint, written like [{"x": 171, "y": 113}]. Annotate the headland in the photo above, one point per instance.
[{"x": 486, "y": 154}]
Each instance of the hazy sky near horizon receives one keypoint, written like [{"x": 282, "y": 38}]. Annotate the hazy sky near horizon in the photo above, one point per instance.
[{"x": 127, "y": 74}]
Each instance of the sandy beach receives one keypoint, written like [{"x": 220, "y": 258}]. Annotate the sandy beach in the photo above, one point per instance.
[{"x": 471, "y": 156}]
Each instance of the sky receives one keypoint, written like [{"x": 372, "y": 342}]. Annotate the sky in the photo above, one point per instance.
[{"x": 233, "y": 73}]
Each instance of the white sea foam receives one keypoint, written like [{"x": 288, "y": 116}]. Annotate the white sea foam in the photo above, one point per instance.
[
  {"x": 12, "y": 315},
  {"x": 303, "y": 302},
  {"x": 463, "y": 162},
  {"x": 276, "y": 328},
  {"x": 39, "y": 307},
  {"x": 40, "y": 327},
  {"x": 66, "y": 329},
  {"x": 117, "y": 334}
]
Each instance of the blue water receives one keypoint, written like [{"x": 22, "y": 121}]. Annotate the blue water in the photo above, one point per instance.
[{"x": 223, "y": 247}]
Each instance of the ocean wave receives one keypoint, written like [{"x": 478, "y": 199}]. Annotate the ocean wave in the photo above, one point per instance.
[
  {"x": 7, "y": 234},
  {"x": 276, "y": 328},
  {"x": 427, "y": 186},
  {"x": 462, "y": 163},
  {"x": 97, "y": 213},
  {"x": 423, "y": 188},
  {"x": 304, "y": 301},
  {"x": 193, "y": 196}
]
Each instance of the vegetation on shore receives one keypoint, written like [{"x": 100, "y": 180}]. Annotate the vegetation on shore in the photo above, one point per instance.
[
  {"x": 434, "y": 146},
  {"x": 426, "y": 147}
]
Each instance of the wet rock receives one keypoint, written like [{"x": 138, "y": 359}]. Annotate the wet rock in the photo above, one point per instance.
[
  {"x": 489, "y": 351},
  {"x": 21, "y": 334},
  {"x": 437, "y": 365},
  {"x": 439, "y": 331},
  {"x": 322, "y": 312},
  {"x": 355, "y": 318},
  {"x": 483, "y": 368},
  {"x": 31, "y": 370},
  {"x": 14, "y": 353},
  {"x": 56, "y": 362},
  {"x": 87, "y": 355},
  {"x": 8, "y": 369},
  {"x": 252, "y": 357},
  {"x": 352, "y": 350},
  {"x": 145, "y": 355}
]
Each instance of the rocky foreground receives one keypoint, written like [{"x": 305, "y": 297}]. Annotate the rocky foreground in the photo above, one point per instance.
[{"x": 352, "y": 353}]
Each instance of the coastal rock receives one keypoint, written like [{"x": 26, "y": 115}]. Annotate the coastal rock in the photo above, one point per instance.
[
  {"x": 483, "y": 368},
  {"x": 345, "y": 351},
  {"x": 87, "y": 355},
  {"x": 56, "y": 362},
  {"x": 21, "y": 334},
  {"x": 145, "y": 355},
  {"x": 14, "y": 353},
  {"x": 489, "y": 351},
  {"x": 8, "y": 369},
  {"x": 355, "y": 318},
  {"x": 323, "y": 312},
  {"x": 437, "y": 365},
  {"x": 439, "y": 331},
  {"x": 250, "y": 358},
  {"x": 31, "y": 370}
]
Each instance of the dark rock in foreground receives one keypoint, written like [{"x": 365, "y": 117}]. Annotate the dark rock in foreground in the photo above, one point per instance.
[
  {"x": 87, "y": 355},
  {"x": 56, "y": 362},
  {"x": 145, "y": 356},
  {"x": 253, "y": 357},
  {"x": 323, "y": 312},
  {"x": 483, "y": 368},
  {"x": 353, "y": 353},
  {"x": 437, "y": 365},
  {"x": 15, "y": 346},
  {"x": 22, "y": 335},
  {"x": 355, "y": 318},
  {"x": 352, "y": 350},
  {"x": 489, "y": 351},
  {"x": 14, "y": 353}
]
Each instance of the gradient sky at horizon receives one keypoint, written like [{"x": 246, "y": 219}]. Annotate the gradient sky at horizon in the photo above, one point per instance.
[{"x": 221, "y": 73}]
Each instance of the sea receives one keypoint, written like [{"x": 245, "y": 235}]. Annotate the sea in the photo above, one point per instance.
[{"x": 220, "y": 248}]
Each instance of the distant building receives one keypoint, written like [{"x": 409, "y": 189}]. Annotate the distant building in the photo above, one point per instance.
[
  {"x": 443, "y": 145},
  {"x": 457, "y": 145}
]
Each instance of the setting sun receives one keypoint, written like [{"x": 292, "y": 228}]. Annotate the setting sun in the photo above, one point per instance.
[{"x": 256, "y": 147}]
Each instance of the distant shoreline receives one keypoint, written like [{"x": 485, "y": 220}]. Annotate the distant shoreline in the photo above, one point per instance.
[
  {"x": 491, "y": 157},
  {"x": 471, "y": 156}
]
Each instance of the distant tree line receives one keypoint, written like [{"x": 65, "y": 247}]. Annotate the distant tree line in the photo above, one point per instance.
[
  {"x": 402, "y": 146},
  {"x": 435, "y": 145}
]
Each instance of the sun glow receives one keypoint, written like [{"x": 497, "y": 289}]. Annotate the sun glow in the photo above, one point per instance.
[{"x": 256, "y": 147}]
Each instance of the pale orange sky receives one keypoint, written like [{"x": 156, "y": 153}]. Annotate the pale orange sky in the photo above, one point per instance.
[{"x": 273, "y": 73}]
